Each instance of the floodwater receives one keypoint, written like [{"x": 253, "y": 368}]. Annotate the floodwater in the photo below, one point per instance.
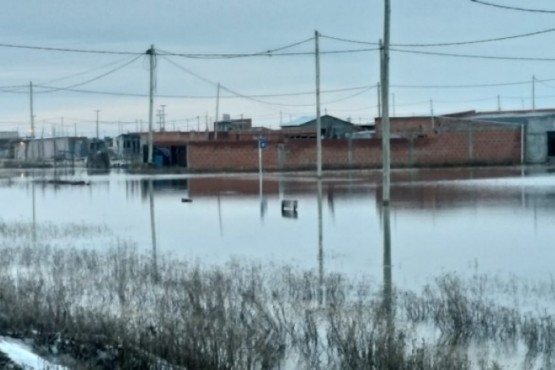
[{"x": 487, "y": 220}]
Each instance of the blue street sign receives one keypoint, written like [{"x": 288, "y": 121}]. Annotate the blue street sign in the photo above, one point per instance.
[{"x": 262, "y": 143}]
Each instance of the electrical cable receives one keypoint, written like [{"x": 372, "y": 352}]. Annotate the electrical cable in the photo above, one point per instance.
[
  {"x": 513, "y": 7},
  {"x": 473, "y": 56},
  {"x": 247, "y": 97},
  {"x": 269, "y": 52},
  {"x": 456, "y": 43},
  {"x": 53, "y": 89},
  {"x": 83, "y": 72},
  {"x": 70, "y": 50}
]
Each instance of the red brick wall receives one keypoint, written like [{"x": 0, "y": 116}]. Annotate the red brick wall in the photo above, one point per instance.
[
  {"x": 406, "y": 125},
  {"x": 446, "y": 148},
  {"x": 496, "y": 145}
]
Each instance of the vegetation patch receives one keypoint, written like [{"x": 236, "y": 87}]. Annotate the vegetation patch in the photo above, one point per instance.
[{"x": 119, "y": 308}]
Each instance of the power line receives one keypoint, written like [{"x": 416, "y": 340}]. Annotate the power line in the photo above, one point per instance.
[
  {"x": 466, "y": 86},
  {"x": 70, "y": 50},
  {"x": 251, "y": 97},
  {"x": 474, "y": 56},
  {"x": 83, "y": 72},
  {"x": 128, "y": 94},
  {"x": 53, "y": 89},
  {"x": 514, "y": 7},
  {"x": 455, "y": 43},
  {"x": 269, "y": 52}
]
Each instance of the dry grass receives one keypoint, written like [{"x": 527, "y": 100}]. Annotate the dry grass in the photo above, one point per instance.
[{"x": 118, "y": 309}]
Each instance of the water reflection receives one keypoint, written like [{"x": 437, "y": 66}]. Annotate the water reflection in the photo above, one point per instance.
[
  {"x": 220, "y": 215},
  {"x": 34, "y": 214},
  {"x": 322, "y": 288},
  {"x": 153, "y": 230},
  {"x": 263, "y": 203},
  {"x": 387, "y": 271},
  {"x": 502, "y": 217}
]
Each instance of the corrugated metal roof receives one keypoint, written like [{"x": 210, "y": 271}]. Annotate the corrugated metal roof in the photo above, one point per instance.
[{"x": 298, "y": 121}]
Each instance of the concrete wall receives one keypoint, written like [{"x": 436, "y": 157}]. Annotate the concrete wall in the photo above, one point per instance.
[
  {"x": 464, "y": 147},
  {"x": 46, "y": 149},
  {"x": 536, "y": 138}
]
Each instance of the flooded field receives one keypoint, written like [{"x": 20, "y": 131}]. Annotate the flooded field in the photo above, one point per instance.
[
  {"x": 455, "y": 273},
  {"x": 490, "y": 220}
]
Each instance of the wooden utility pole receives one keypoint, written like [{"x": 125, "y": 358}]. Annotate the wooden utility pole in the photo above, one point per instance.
[
  {"x": 379, "y": 89},
  {"x": 386, "y": 166},
  {"x": 432, "y": 114},
  {"x": 152, "y": 55},
  {"x": 31, "y": 110},
  {"x": 217, "y": 112},
  {"x": 97, "y": 133},
  {"x": 533, "y": 92},
  {"x": 318, "y": 120}
]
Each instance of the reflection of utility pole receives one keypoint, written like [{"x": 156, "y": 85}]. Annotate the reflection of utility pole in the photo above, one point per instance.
[
  {"x": 34, "y": 215},
  {"x": 260, "y": 184},
  {"x": 321, "y": 280},
  {"x": 387, "y": 277},
  {"x": 153, "y": 231},
  {"x": 220, "y": 216}
]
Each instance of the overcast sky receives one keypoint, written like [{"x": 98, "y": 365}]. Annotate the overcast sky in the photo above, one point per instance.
[{"x": 250, "y": 26}]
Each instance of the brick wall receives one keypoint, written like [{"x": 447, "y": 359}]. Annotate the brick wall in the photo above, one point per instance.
[{"x": 492, "y": 146}]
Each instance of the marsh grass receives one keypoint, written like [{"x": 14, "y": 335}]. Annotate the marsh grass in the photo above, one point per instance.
[{"x": 117, "y": 308}]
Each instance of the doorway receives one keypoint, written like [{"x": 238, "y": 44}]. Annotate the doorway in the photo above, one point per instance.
[{"x": 551, "y": 143}]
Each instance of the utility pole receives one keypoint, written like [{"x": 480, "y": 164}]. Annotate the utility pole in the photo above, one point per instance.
[
  {"x": 217, "y": 112},
  {"x": 386, "y": 167},
  {"x": 31, "y": 110},
  {"x": 498, "y": 103},
  {"x": 163, "y": 118},
  {"x": 75, "y": 129},
  {"x": 198, "y": 123},
  {"x": 318, "y": 120},
  {"x": 152, "y": 55},
  {"x": 432, "y": 114},
  {"x": 97, "y": 134},
  {"x": 379, "y": 89},
  {"x": 393, "y": 105},
  {"x": 533, "y": 92}
]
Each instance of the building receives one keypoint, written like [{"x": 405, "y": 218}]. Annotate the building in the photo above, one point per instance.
[
  {"x": 228, "y": 124},
  {"x": 538, "y": 129},
  {"x": 331, "y": 128},
  {"x": 46, "y": 149},
  {"x": 7, "y": 144}
]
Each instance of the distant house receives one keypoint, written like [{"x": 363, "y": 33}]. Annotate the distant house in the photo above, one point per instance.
[
  {"x": 58, "y": 148},
  {"x": 538, "y": 128},
  {"x": 407, "y": 127},
  {"x": 228, "y": 124},
  {"x": 331, "y": 128},
  {"x": 128, "y": 146},
  {"x": 7, "y": 140}
]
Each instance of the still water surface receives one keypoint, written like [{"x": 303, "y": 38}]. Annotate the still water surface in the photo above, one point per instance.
[{"x": 495, "y": 220}]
